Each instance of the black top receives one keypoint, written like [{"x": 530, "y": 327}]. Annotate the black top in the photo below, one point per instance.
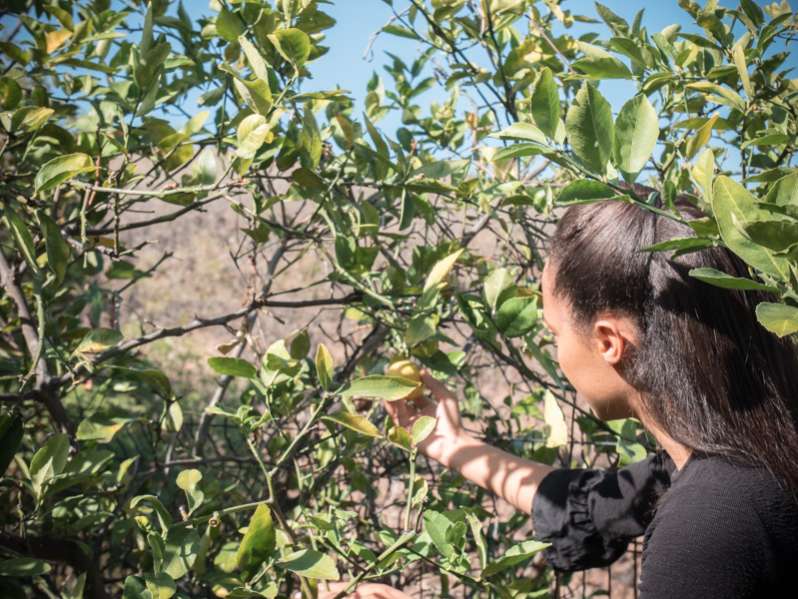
[{"x": 714, "y": 529}]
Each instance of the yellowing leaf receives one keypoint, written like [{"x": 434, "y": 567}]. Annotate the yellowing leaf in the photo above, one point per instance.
[
  {"x": 355, "y": 422},
  {"x": 252, "y": 132},
  {"x": 324, "y": 366},
  {"x": 422, "y": 428},
  {"x": 553, "y": 416},
  {"x": 738, "y": 54},
  {"x": 98, "y": 340},
  {"x": 701, "y": 137},
  {"x": 780, "y": 319},
  {"x": 55, "y": 39},
  {"x": 441, "y": 269},
  {"x": 188, "y": 479}
]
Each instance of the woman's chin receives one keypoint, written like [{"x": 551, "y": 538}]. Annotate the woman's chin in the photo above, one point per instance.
[{"x": 606, "y": 412}]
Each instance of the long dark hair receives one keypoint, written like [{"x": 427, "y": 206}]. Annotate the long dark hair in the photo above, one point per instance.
[{"x": 709, "y": 374}]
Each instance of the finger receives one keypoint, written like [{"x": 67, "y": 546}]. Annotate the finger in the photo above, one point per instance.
[
  {"x": 390, "y": 407},
  {"x": 403, "y": 411},
  {"x": 447, "y": 398},
  {"x": 437, "y": 388},
  {"x": 426, "y": 405}
]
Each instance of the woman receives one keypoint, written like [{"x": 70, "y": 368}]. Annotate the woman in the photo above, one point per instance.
[{"x": 637, "y": 336}]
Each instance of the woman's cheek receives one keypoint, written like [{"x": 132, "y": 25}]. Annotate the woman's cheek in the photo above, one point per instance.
[{"x": 563, "y": 357}]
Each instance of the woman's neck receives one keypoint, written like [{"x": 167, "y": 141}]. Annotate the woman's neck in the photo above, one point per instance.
[{"x": 678, "y": 452}]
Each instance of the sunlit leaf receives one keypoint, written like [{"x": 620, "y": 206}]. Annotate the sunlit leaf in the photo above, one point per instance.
[{"x": 310, "y": 564}]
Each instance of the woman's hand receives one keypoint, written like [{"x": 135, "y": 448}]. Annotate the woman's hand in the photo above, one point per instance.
[
  {"x": 368, "y": 590},
  {"x": 442, "y": 406}
]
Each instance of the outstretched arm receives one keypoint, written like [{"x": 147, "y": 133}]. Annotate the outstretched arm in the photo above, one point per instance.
[{"x": 514, "y": 479}]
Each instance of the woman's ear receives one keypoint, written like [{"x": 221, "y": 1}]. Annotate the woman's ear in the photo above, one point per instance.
[{"x": 611, "y": 336}]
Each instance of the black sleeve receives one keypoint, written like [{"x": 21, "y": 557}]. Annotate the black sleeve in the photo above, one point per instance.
[
  {"x": 704, "y": 542},
  {"x": 590, "y": 515}
]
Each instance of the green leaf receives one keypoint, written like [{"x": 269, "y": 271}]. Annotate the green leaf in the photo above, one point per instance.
[
  {"x": 519, "y": 151},
  {"x": 718, "y": 278},
  {"x": 23, "y": 567},
  {"x": 738, "y": 55},
  {"x": 494, "y": 284},
  {"x": 627, "y": 431},
  {"x": 726, "y": 96},
  {"x": 155, "y": 505},
  {"x": 436, "y": 525},
  {"x": 62, "y": 168},
  {"x": 479, "y": 539},
  {"x": 590, "y": 128},
  {"x": 48, "y": 461},
  {"x": 734, "y": 207},
  {"x": 441, "y": 269},
  {"x": 10, "y": 93},
  {"x": 545, "y": 103},
  {"x": 400, "y": 31},
  {"x": 310, "y": 564},
  {"x": 180, "y": 551},
  {"x": 30, "y": 118},
  {"x": 618, "y": 25},
  {"x": 96, "y": 428},
  {"x": 57, "y": 248},
  {"x": 23, "y": 237},
  {"x": 422, "y": 428},
  {"x": 233, "y": 367},
  {"x": 420, "y": 328},
  {"x": 254, "y": 58},
  {"x": 256, "y": 94},
  {"x": 517, "y": 315},
  {"x": 784, "y": 192},
  {"x": 515, "y": 555},
  {"x": 681, "y": 245},
  {"x": 585, "y": 190},
  {"x": 258, "y": 542},
  {"x": 780, "y": 319},
  {"x": 229, "y": 25},
  {"x": 252, "y": 132},
  {"x": 770, "y": 139},
  {"x": 324, "y": 366},
  {"x": 401, "y": 437},
  {"x": 753, "y": 11},
  {"x": 159, "y": 586},
  {"x": 525, "y": 131},
  {"x": 388, "y": 388},
  {"x": 10, "y": 438},
  {"x": 293, "y": 44},
  {"x": 355, "y": 422},
  {"x": 636, "y": 133},
  {"x": 776, "y": 235},
  {"x": 308, "y": 180},
  {"x": 602, "y": 67}
]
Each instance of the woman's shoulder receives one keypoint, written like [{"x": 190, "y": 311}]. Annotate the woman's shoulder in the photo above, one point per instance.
[
  {"x": 732, "y": 478},
  {"x": 727, "y": 528},
  {"x": 712, "y": 492}
]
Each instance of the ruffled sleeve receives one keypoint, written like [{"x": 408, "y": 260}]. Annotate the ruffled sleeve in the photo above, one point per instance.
[{"x": 590, "y": 515}]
